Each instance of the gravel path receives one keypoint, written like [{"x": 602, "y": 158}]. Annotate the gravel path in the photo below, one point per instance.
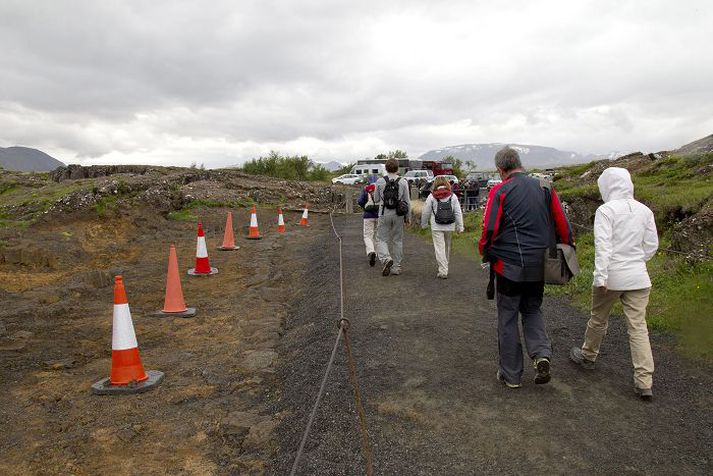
[{"x": 427, "y": 355}]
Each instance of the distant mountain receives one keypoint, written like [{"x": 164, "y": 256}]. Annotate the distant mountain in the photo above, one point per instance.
[
  {"x": 701, "y": 146},
  {"x": 24, "y": 159},
  {"x": 532, "y": 156},
  {"x": 331, "y": 166}
]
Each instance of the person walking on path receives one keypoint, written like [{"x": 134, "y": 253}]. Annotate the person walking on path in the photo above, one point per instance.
[
  {"x": 443, "y": 209},
  {"x": 392, "y": 195},
  {"x": 625, "y": 239},
  {"x": 516, "y": 232},
  {"x": 371, "y": 216}
]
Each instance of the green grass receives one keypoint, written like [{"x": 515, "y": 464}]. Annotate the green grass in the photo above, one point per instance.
[
  {"x": 182, "y": 215},
  {"x": 106, "y": 205}
]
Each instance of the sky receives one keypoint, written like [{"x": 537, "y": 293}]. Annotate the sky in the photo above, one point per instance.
[{"x": 220, "y": 82}]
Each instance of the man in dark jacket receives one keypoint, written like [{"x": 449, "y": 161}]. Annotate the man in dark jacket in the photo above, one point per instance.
[{"x": 516, "y": 232}]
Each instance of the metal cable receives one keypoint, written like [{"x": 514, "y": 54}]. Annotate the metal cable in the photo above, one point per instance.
[
  {"x": 343, "y": 326},
  {"x": 316, "y": 404}
]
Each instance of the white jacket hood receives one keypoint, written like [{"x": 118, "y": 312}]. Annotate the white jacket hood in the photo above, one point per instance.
[{"x": 615, "y": 184}]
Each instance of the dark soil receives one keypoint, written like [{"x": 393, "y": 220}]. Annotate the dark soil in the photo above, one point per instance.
[{"x": 427, "y": 356}]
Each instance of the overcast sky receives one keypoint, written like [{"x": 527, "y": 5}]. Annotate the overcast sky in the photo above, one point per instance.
[{"x": 219, "y": 82}]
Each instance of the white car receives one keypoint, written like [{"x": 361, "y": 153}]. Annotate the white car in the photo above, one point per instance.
[
  {"x": 450, "y": 178},
  {"x": 493, "y": 182},
  {"x": 414, "y": 175},
  {"x": 348, "y": 179}
]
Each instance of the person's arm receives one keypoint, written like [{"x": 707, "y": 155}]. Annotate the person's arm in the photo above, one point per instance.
[
  {"x": 562, "y": 227},
  {"x": 491, "y": 219},
  {"x": 379, "y": 187},
  {"x": 602, "y": 248},
  {"x": 651, "y": 238},
  {"x": 459, "y": 215},
  {"x": 407, "y": 193},
  {"x": 426, "y": 211}
]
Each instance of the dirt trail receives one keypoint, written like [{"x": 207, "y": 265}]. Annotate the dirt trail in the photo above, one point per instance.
[
  {"x": 209, "y": 416},
  {"x": 427, "y": 356}
]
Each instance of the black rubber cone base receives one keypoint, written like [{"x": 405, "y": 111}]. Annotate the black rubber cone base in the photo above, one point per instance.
[
  {"x": 253, "y": 237},
  {"x": 104, "y": 386},
  {"x": 190, "y": 312},
  {"x": 234, "y": 248},
  {"x": 192, "y": 272}
]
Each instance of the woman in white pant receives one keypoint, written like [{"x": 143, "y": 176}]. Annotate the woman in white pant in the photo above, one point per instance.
[{"x": 443, "y": 209}]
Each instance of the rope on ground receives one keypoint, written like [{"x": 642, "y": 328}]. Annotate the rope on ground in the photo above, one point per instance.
[{"x": 344, "y": 325}]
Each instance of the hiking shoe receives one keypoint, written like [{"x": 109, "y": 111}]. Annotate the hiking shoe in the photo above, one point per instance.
[
  {"x": 575, "y": 355},
  {"x": 372, "y": 259},
  {"x": 395, "y": 271},
  {"x": 387, "y": 268},
  {"x": 442, "y": 276},
  {"x": 542, "y": 365},
  {"x": 644, "y": 393},
  {"x": 502, "y": 380}
]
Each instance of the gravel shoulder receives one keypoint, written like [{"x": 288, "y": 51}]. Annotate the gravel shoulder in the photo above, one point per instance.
[{"x": 426, "y": 352}]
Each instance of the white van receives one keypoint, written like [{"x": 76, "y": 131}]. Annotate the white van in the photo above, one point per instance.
[{"x": 369, "y": 169}]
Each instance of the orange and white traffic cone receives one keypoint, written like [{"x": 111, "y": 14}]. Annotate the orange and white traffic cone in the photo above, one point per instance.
[
  {"x": 202, "y": 262},
  {"x": 280, "y": 221},
  {"x": 304, "y": 221},
  {"x": 228, "y": 238},
  {"x": 173, "y": 304},
  {"x": 127, "y": 371},
  {"x": 253, "y": 231}
]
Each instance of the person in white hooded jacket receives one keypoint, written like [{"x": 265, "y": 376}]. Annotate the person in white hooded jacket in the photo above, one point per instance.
[
  {"x": 442, "y": 232},
  {"x": 625, "y": 239}
]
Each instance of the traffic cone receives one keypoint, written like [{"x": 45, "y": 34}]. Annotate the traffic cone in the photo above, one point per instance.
[
  {"x": 202, "y": 263},
  {"x": 127, "y": 371},
  {"x": 305, "y": 213},
  {"x": 174, "y": 305},
  {"x": 228, "y": 239},
  {"x": 253, "y": 232},
  {"x": 280, "y": 221}
]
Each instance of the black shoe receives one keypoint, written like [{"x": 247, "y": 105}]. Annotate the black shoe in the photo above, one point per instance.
[
  {"x": 542, "y": 365},
  {"x": 644, "y": 393},
  {"x": 575, "y": 355},
  {"x": 502, "y": 380},
  {"x": 387, "y": 268},
  {"x": 372, "y": 259}
]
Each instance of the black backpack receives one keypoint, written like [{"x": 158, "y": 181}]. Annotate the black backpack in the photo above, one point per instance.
[
  {"x": 444, "y": 214},
  {"x": 391, "y": 193}
]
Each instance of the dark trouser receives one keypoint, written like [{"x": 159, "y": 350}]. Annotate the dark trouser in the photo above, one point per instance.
[{"x": 524, "y": 298}]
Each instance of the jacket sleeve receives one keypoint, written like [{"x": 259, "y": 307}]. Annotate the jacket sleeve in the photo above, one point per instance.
[
  {"x": 458, "y": 212},
  {"x": 406, "y": 192},
  {"x": 491, "y": 219},
  {"x": 651, "y": 239},
  {"x": 562, "y": 227},
  {"x": 378, "y": 189},
  {"x": 602, "y": 248},
  {"x": 426, "y": 211}
]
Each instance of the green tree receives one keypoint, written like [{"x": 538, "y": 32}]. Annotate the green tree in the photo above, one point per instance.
[
  {"x": 347, "y": 169},
  {"x": 296, "y": 167},
  {"x": 397, "y": 154}
]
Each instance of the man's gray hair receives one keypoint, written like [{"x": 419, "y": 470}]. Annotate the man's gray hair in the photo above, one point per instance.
[{"x": 507, "y": 159}]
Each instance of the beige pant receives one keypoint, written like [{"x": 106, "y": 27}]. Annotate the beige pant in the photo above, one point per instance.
[
  {"x": 634, "y": 304},
  {"x": 369, "y": 234},
  {"x": 442, "y": 247}
]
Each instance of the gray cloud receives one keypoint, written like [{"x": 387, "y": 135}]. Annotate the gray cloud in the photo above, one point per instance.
[{"x": 169, "y": 81}]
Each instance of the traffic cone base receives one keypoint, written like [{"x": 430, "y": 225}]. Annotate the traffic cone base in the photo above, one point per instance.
[
  {"x": 105, "y": 387},
  {"x": 193, "y": 272},
  {"x": 189, "y": 312},
  {"x": 228, "y": 248}
]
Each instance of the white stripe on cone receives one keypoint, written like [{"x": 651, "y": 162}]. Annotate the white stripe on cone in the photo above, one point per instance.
[
  {"x": 122, "y": 335},
  {"x": 253, "y": 220},
  {"x": 304, "y": 214},
  {"x": 201, "y": 249},
  {"x": 280, "y": 220}
]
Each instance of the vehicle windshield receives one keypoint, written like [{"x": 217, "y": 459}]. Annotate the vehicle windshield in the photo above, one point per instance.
[{"x": 411, "y": 173}]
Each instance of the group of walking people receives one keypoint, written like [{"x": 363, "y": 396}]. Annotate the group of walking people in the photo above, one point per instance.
[{"x": 521, "y": 218}]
